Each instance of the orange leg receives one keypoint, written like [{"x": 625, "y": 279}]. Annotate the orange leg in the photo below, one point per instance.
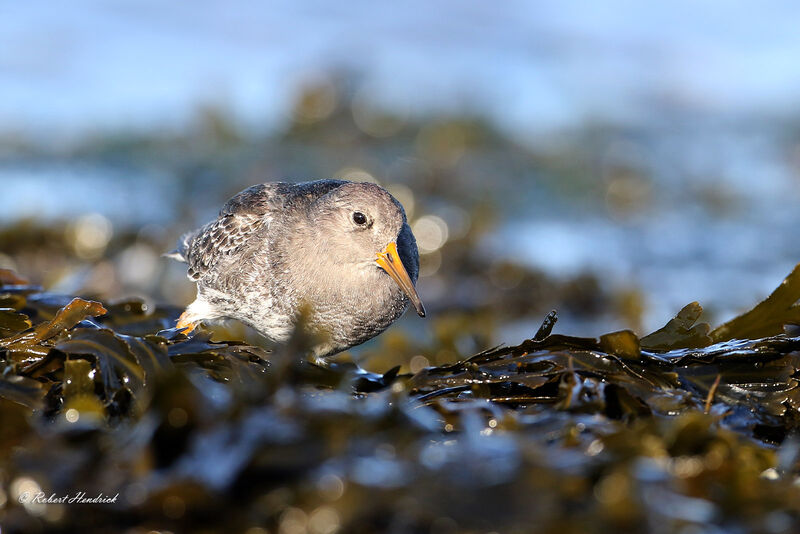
[{"x": 185, "y": 324}]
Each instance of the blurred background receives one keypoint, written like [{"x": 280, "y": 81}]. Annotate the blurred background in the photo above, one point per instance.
[{"x": 612, "y": 161}]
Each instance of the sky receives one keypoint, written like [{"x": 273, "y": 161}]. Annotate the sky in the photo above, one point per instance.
[{"x": 530, "y": 66}]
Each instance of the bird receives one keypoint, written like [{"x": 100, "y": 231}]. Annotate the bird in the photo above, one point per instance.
[{"x": 339, "y": 252}]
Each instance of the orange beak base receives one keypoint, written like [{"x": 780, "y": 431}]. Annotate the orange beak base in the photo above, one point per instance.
[{"x": 389, "y": 261}]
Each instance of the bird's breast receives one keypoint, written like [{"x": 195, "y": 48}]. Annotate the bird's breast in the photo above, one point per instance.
[{"x": 354, "y": 312}]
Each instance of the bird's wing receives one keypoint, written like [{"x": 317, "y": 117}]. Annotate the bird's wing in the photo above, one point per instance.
[{"x": 239, "y": 218}]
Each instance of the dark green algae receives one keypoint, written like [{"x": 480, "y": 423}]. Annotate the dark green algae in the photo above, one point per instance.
[{"x": 688, "y": 429}]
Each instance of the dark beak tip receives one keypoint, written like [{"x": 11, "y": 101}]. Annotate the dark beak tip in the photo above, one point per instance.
[{"x": 421, "y": 311}]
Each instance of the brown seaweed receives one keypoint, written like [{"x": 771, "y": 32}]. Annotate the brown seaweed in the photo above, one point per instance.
[{"x": 685, "y": 426}]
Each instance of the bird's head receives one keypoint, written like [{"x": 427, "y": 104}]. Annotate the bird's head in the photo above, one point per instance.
[{"x": 362, "y": 224}]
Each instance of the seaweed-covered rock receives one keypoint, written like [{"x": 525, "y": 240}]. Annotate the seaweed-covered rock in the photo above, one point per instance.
[{"x": 111, "y": 421}]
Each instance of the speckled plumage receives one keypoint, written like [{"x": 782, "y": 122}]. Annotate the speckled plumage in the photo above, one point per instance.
[{"x": 277, "y": 247}]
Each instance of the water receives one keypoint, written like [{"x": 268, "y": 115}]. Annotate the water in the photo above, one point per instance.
[{"x": 53, "y": 191}]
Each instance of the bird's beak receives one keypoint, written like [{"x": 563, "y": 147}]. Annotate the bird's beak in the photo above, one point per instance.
[{"x": 389, "y": 261}]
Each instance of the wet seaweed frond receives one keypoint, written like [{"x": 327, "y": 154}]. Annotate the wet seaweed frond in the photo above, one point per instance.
[{"x": 685, "y": 426}]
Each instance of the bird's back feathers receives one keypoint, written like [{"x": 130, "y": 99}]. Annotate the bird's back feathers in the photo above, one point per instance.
[{"x": 243, "y": 215}]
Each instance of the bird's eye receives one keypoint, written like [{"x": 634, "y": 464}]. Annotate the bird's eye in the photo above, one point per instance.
[{"x": 359, "y": 218}]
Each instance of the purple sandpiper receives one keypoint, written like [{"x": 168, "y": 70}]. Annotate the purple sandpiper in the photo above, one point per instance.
[{"x": 342, "y": 251}]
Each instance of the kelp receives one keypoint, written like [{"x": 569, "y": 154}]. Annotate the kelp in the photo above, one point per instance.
[{"x": 687, "y": 427}]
